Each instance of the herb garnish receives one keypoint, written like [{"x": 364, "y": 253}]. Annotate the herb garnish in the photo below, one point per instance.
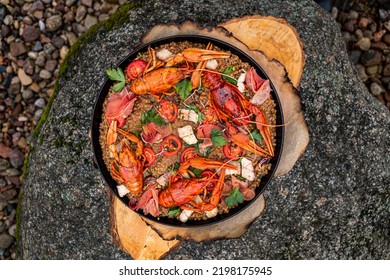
[
  {"x": 117, "y": 75},
  {"x": 217, "y": 138},
  {"x": 201, "y": 116},
  {"x": 174, "y": 211},
  {"x": 183, "y": 88},
  {"x": 229, "y": 70},
  {"x": 256, "y": 135},
  {"x": 152, "y": 116},
  {"x": 234, "y": 198},
  {"x": 195, "y": 171}
]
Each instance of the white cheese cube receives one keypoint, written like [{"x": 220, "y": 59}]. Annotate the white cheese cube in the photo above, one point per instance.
[
  {"x": 164, "y": 55},
  {"x": 232, "y": 171},
  {"x": 212, "y": 64},
  {"x": 240, "y": 82},
  {"x": 188, "y": 115},
  {"x": 211, "y": 213},
  {"x": 187, "y": 134},
  {"x": 122, "y": 190},
  {"x": 164, "y": 179},
  {"x": 247, "y": 170},
  {"x": 185, "y": 214}
]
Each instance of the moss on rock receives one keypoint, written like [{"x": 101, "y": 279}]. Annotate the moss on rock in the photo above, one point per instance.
[{"x": 115, "y": 21}]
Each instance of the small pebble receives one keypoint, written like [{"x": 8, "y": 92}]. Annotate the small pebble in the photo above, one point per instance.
[
  {"x": 22, "y": 118},
  {"x": 364, "y": 44},
  {"x": 80, "y": 13},
  {"x": 16, "y": 158},
  {"x": 362, "y": 72},
  {"x": 44, "y": 74},
  {"x": 37, "y": 115},
  {"x": 4, "y": 164},
  {"x": 40, "y": 103},
  {"x": 6, "y": 240},
  {"x": 24, "y": 78},
  {"x": 64, "y": 50},
  {"x": 372, "y": 70},
  {"x": 89, "y": 21},
  {"x": 54, "y": 23},
  {"x": 371, "y": 57},
  {"x": 42, "y": 25},
  {"x": 12, "y": 230},
  {"x": 37, "y": 46},
  {"x": 376, "y": 89}
]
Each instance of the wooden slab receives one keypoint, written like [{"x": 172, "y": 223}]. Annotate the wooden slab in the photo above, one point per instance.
[
  {"x": 130, "y": 233},
  {"x": 275, "y": 37},
  {"x": 145, "y": 239}
]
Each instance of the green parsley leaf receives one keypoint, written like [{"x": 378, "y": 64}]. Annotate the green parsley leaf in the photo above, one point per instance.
[
  {"x": 217, "y": 138},
  {"x": 137, "y": 133},
  {"x": 196, "y": 171},
  {"x": 208, "y": 151},
  {"x": 117, "y": 75},
  {"x": 201, "y": 117},
  {"x": 118, "y": 86},
  {"x": 152, "y": 116},
  {"x": 234, "y": 198},
  {"x": 174, "y": 211},
  {"x": 193, "y": 107},
  {"x": 183, "y": 88},
  {"x": 229, "y": 70},
  {"x": 256, "y": 135}
]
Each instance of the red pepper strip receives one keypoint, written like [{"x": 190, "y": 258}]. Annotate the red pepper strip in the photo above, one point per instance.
[
  {"x": 171, "y": 145},
  {"x": 168, "y": 110},
  {"x": 187, "y": 154}
]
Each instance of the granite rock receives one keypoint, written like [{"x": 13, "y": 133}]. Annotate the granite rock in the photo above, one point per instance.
[{"x": 334, "y": 203}]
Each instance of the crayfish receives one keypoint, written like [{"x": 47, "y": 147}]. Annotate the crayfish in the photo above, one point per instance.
[
  {"x": 231, "y": 106},
  {"x": 158, "y": 80},
  {"x": 183, "y": 191},
  {"x": 128, "y": 166}
]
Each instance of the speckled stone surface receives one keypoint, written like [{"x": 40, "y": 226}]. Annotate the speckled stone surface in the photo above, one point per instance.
[{"x": 334, "y": 204}]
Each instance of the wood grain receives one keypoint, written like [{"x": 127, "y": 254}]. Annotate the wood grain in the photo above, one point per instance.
[{"x": 275, "y": 37}]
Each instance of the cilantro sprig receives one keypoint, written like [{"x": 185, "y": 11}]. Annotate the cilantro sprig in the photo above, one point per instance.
[
  {"x": 234, "y": 198},
  {"x": 229, "y": 70},
  {"x": 256, "y": 135},
  {"x": 152, "y": 116},
  {"x": 174, "y": 211},
  {"x": 195, "y": 171},
  {"x": 217, "y": 138},
  {"x": 117, "y": 75},
  {"x": 183, "y": 88}
]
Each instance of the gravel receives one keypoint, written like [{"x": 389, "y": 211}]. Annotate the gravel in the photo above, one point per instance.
[
  {"x": 36, "y": 36},
  {"x": 366, "y": 34}
]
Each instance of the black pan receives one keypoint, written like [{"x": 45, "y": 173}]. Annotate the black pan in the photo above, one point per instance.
[{"x": 97, "y": 118}]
